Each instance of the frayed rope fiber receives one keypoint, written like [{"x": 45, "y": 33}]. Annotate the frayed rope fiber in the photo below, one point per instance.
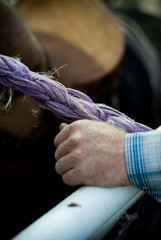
[{"x": 66, "y": 103}]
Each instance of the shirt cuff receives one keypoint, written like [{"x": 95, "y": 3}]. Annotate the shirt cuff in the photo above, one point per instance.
[{"x": 143, "y": 161}]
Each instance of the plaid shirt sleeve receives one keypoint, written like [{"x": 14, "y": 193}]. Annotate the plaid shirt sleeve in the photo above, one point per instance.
[{"x": 143, "y": 161}]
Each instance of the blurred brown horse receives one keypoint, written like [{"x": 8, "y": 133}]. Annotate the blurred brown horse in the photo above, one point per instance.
[
  {"x": 87, "y": 39},
  {"x": 47, "y": 35}
]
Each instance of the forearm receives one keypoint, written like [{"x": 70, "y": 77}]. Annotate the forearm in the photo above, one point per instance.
[{"x": 143, "y": 161}]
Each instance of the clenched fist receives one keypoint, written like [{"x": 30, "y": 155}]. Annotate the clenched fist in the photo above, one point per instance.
[{"x": 91, "y": 153}]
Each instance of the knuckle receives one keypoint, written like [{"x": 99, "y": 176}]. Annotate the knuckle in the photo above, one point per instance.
[
  {"x": 76, "y": 124},
  {"x": 67, "y": 179},
  {"x": 76, "y": 139},
  {"x": 73, "y": 177},
  {"x": 77, "y": 155}
]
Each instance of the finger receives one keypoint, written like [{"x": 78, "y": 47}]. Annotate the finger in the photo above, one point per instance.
[
  {"x": 62, "y": 136},
  {"x": 62, "y": 125},
  {"x": 63, "y": 149},
  {"x": 64, "y": 164},
  {"x": 72, "y": 177}
]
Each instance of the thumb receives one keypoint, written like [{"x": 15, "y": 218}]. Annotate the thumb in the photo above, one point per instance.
[{"x": 62, "y": 125}]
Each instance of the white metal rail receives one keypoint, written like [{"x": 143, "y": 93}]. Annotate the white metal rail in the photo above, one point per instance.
[{"x": 88, "y": 213}]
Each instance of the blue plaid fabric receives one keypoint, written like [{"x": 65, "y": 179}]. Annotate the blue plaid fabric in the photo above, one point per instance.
[{"x": 143, "y": 161}]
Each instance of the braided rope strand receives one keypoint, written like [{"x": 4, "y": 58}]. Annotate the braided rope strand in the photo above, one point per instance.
[{"x": 66, "y": 103}]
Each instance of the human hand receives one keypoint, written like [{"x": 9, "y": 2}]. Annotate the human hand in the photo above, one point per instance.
[{"x": 91, "y": 153}]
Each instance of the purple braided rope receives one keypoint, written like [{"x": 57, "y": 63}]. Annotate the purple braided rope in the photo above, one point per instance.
[{"x": 68, "y": 104}]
